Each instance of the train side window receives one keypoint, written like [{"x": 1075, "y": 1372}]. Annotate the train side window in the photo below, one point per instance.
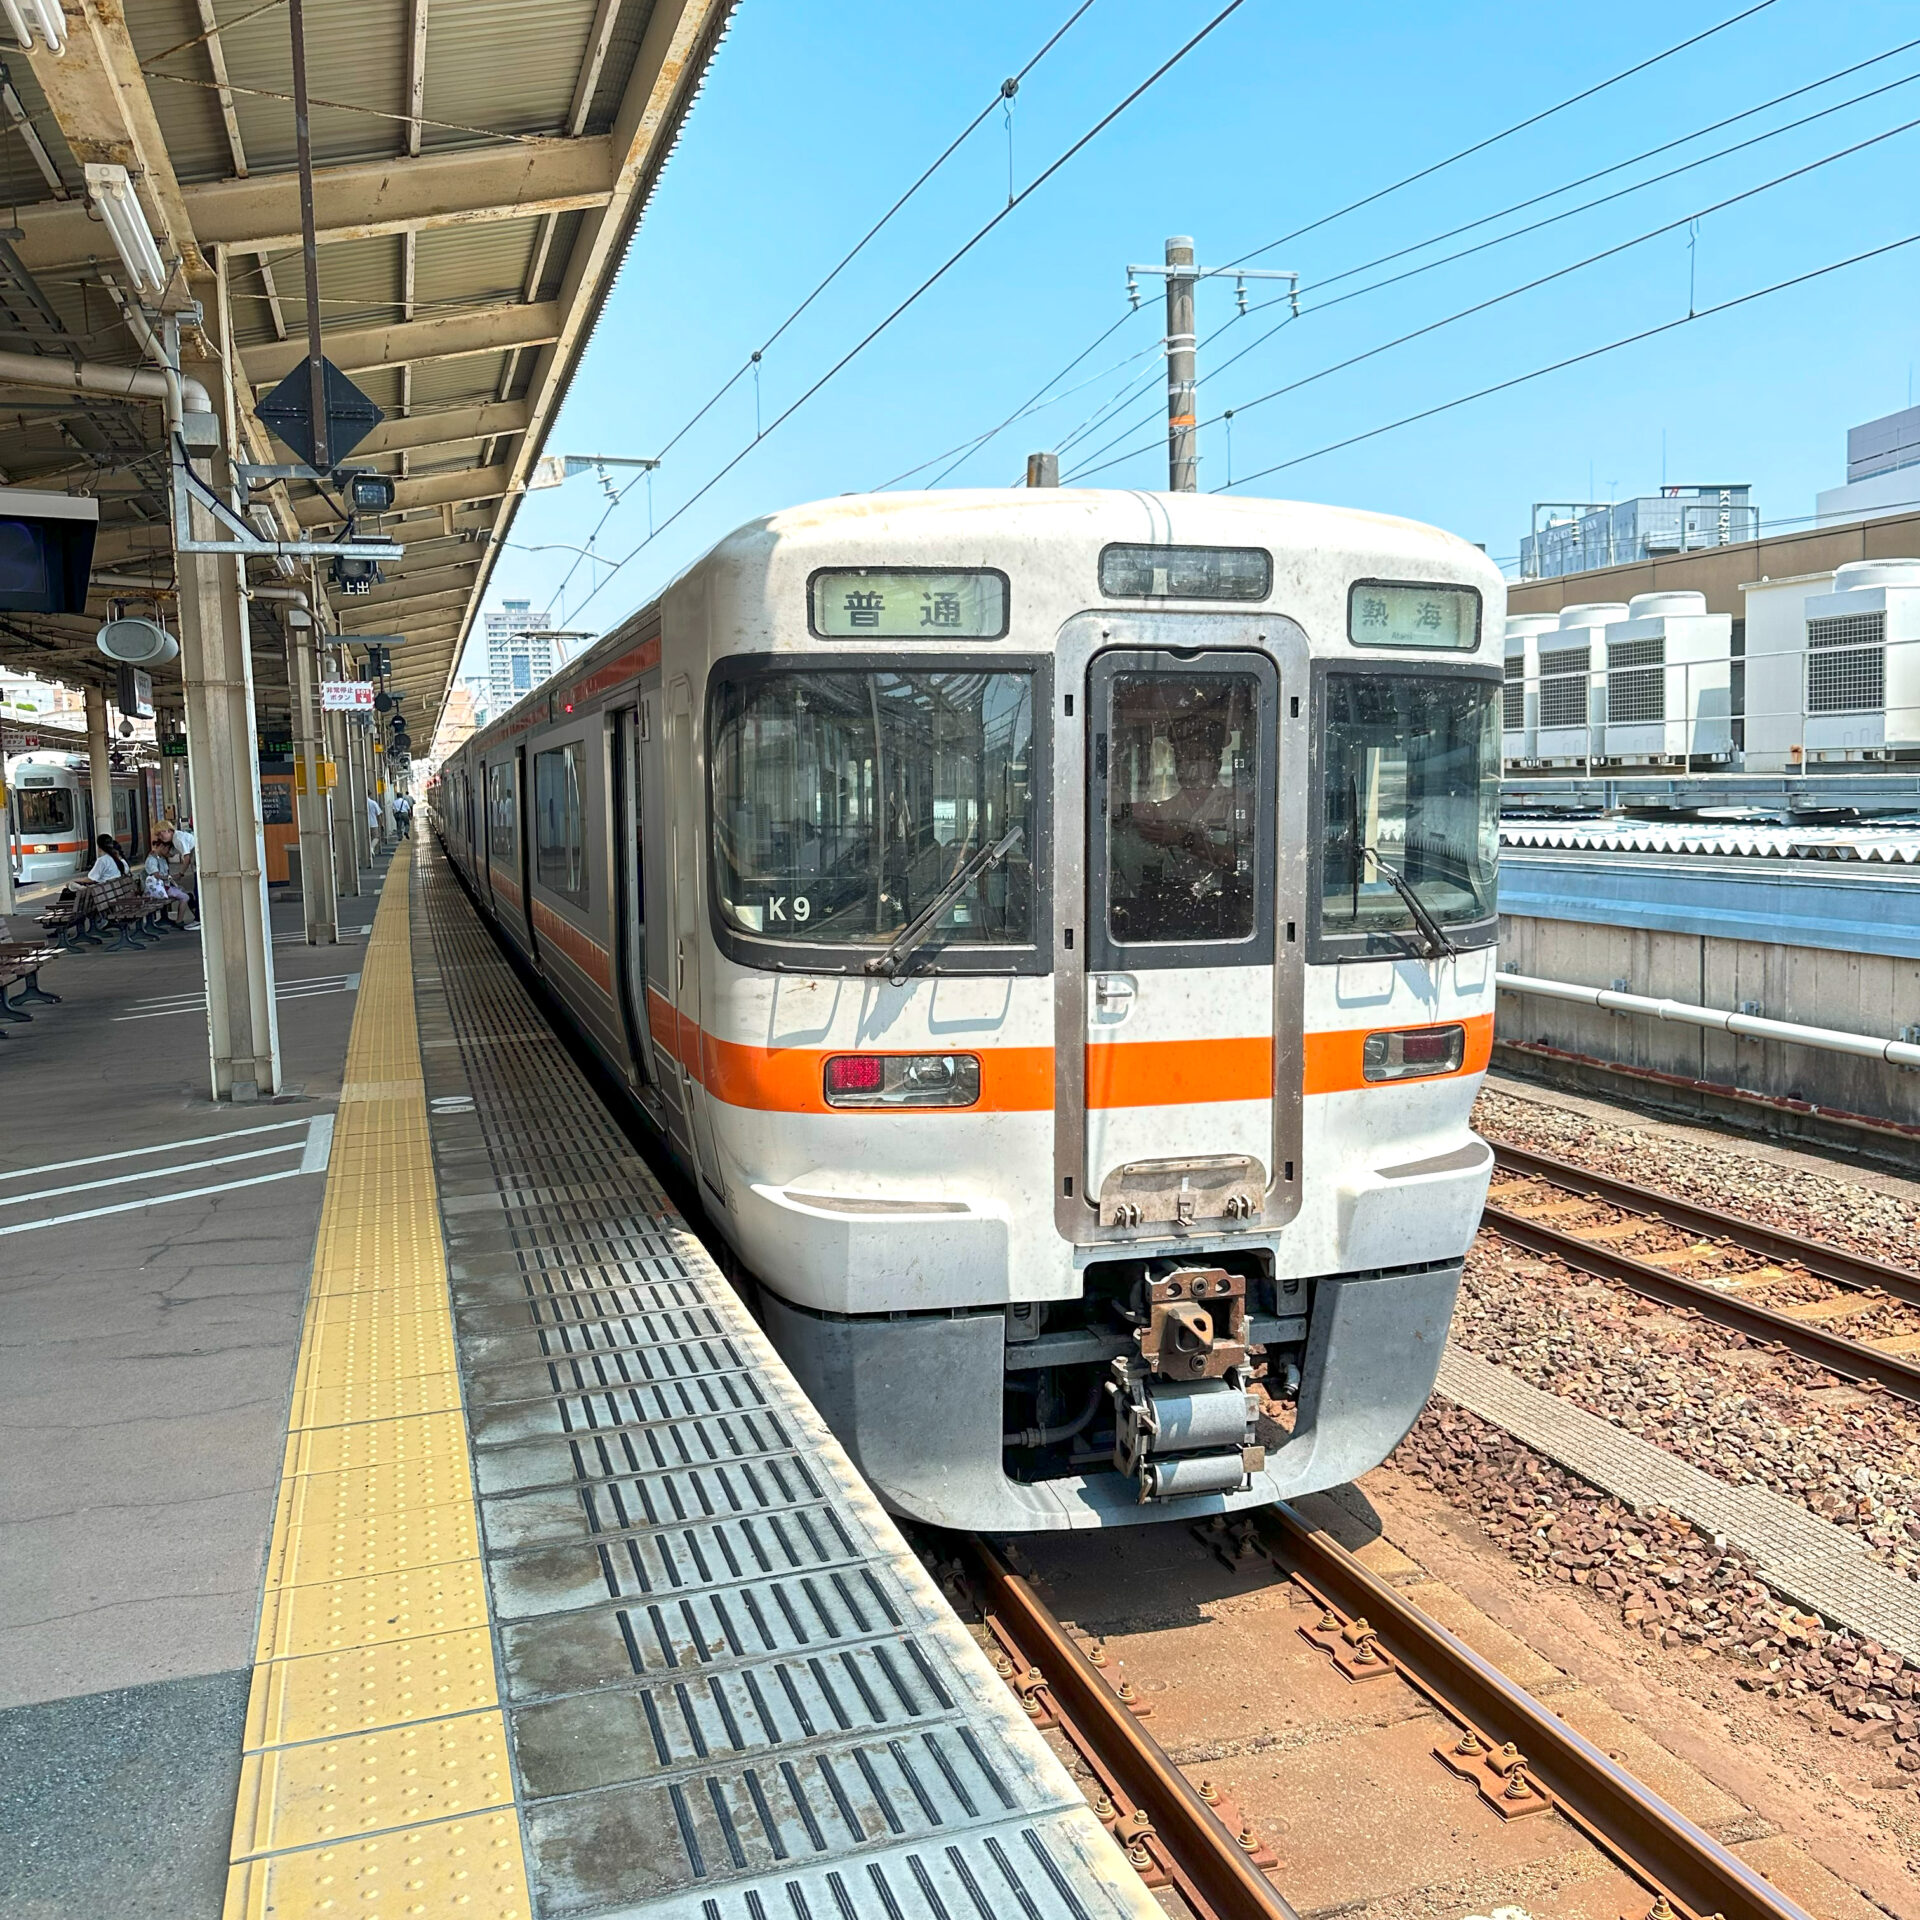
[
  {"x": 503, "y": 824},
  {"x": 559, "y": 822}
]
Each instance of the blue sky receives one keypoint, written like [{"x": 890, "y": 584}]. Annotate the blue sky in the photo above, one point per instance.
[{"x": 815, "y": 117}]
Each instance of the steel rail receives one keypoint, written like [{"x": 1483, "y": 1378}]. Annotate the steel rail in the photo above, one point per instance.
[
  {"x": 1829, "y": 1262},
  {"x": 1851, "y": 1359},
  {"x": 1210, "y": 1869},
  {"x": 1620, "y": 1814}
]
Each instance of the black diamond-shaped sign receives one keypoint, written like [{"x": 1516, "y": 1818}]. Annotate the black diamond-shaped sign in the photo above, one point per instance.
[{"x": 288, "y": 411}]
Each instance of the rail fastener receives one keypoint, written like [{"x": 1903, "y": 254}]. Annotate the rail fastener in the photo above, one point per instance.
[{"x": 1679, "y": 1864}]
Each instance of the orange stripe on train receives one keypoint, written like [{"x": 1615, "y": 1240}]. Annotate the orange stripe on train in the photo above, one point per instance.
[
  {"x": 1156, "y": 1073},
  {"x": 588, "y": 955}
]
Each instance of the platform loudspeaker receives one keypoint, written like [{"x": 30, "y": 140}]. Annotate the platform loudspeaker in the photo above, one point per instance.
[{"x": 137, "y": 643}]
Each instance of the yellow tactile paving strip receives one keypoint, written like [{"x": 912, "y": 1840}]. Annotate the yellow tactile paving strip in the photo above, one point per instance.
[{"x": 375, "y": 1780}]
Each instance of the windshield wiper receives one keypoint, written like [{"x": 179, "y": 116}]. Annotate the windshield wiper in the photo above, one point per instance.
[
  {"x": 1434, "y": 944},
  {"x": 910, "y": 937}
]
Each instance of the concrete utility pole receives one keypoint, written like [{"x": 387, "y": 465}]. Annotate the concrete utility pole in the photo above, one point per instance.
[
  {"x": 99, "y": 765},
  {"x": 1183, "y": 429},
  {"x": 1183, "y": 436}
]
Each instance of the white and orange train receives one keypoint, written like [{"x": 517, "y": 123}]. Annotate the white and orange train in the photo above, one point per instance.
[{"x": 1055, "y": 931}]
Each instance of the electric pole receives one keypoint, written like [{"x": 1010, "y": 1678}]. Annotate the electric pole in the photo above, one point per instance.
[
  {"x": 1183, "y": 436},
  {"x": 1183, "y": 430}
]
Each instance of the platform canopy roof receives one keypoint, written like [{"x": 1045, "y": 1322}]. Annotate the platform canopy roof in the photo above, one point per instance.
[{"x": 480, "y": 168}]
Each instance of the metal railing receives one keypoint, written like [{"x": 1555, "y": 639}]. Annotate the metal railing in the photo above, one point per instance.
[{"x": 1746, "y": 1026}]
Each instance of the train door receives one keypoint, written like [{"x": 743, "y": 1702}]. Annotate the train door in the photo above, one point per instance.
[
  {"x": 523, "y": 842},
  {"x": 1180, "y": 910},
  {"x": 689, "y": 845},
  {"x": 627, "y": 860}
]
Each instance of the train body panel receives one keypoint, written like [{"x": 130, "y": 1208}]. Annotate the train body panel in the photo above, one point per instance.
[{"x": 1055, "y": 930}]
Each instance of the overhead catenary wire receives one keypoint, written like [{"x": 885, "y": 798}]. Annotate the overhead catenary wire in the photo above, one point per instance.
[
  {"x": 1506, "y": 133},
  {"x": 1576, "y": 359},
  {"x": 1646, "y": 153},
  {"x": 752, "y": 361},
  {"x": 1566, "y": 186},
  {"x": 1042, "y": 396},
  {"x": 1539, "y": 280},
  {"x": 936, "y": 276},
  {"x": 1538, "y": 226},
  {"x": 967, "y": 447}
]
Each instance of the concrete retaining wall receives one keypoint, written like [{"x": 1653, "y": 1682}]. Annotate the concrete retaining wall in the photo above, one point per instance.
[{"x": 1790, "y": 1089}]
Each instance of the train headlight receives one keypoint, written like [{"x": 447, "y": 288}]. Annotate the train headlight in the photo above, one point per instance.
[
  {"x": 1413, "y": 1052},
  {"x": 903, "y": 1080}
]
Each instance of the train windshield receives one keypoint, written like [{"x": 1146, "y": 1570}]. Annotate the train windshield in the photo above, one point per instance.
[
  {"x": 1411, "y": 785},
  {"x": 843, "y": 802},
  {"x": 45, "y": 809}
]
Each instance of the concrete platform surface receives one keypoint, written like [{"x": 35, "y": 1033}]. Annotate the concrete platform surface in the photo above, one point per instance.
[{"x": 155, "y": 1249}]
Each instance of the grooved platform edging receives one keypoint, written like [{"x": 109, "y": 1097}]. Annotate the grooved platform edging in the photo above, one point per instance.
[{"x": 731, "y": 1691}]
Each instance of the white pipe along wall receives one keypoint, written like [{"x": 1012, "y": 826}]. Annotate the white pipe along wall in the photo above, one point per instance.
[{"x": 1897, "y": 1053}]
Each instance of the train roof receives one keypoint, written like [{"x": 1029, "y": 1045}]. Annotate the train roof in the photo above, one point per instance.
[{"x": 1305, "y": 532}]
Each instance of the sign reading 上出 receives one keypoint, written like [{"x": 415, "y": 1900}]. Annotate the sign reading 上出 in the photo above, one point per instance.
[
  {"x": 908, "y": 603},
  {"x": 1383, "y": 613}
]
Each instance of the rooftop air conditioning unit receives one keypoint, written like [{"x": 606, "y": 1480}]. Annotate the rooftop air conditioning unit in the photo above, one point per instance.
[
  {"x": 1862, "y": 684},
  {"x": 1520, "y": 697},
  {"x": 1669, "y": 682},
  {"x": 1573, "y": 684}
]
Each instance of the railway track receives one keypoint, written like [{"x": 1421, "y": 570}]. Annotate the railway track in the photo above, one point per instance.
[
  {"x": 1522, "y": 1757},
  {"x": 1773, "y": 1286}
]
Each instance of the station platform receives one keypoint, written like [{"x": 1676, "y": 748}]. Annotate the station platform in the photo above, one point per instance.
[
  {"x": 562, "y": 1600},
  {"x": 155, "y": 1250}
]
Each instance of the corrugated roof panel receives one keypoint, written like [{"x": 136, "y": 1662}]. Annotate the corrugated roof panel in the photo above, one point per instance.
[
  {"x": 503, "y": 64},
  {"x": 356, "y": 82},
  {"x": 1899, "y": 845},
  {"x": 623, "y": 49},
  {"x": 477, "y": 264},
  {"x": 471, "y": 378}
]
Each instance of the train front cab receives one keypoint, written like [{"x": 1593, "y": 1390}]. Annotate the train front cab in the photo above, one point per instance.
[{"x": 1258, "y": 1075}]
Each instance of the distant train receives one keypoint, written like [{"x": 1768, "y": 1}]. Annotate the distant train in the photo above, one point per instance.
[
  {"x": 50, "y": 813},
  {"x": 1055, "y": 930}
]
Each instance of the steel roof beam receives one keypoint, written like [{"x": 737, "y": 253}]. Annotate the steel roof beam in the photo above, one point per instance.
[
  {"x": 667, "y": 71},
  {"x": 356, "y": 201},
  {"x": 431, "y": 490},
  {"x": 402, "y": 586},
  {"x": 99, "y": 100},
  {"x": 447, "y": 427},
  {"x": 445, "y": 337},
  {"x": 415, "y": 608}
]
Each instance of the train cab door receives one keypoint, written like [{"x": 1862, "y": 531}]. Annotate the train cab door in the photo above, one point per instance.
[
  {"x": 686, "y": 824},
  {"x": 1180, "y": 913},
  {"x": 627, "y": 731}
]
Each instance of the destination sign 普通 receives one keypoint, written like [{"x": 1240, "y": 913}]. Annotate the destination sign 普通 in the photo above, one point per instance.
[
  {"x": 907, "y": 603},
  {"x": 1386, "y": 613}
]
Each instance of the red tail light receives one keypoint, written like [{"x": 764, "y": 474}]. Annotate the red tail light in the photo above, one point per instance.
[
  {"x": 855, "y": 1073},
  {"x": 903, "y": 1079}
]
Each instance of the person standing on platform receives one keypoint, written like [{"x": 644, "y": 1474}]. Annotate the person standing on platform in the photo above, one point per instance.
[{"x": 373, "y": 818}]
